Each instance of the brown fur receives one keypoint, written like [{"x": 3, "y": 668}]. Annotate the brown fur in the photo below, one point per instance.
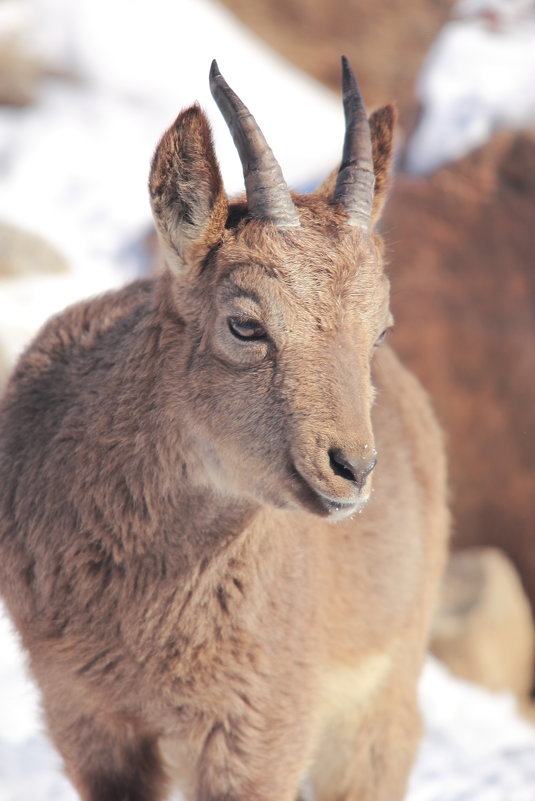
[{"x": 165, "y": 551}]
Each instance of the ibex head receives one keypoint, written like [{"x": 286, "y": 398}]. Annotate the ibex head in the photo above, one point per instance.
[{"x": 281, "y": 300}]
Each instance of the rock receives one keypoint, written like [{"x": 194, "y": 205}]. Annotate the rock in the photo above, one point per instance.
[
  {"x": 24, "y": 254},
  {"x": 463, "y": 274},
  {"x": 23, "y": 258},
  {"x": 19, "y": 73},
  {"x": 483, "y": 629}
]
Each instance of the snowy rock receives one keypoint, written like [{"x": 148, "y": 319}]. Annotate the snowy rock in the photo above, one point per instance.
[{"x": 479, "y": 77}]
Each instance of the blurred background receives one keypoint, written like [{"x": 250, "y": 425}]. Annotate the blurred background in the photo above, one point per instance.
[{"x": 88, "y": 86}]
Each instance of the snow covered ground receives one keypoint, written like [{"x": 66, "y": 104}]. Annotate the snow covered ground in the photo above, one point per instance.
[
  {"x": 73, "y": 168},
  {"x": 479, "y": 77}
]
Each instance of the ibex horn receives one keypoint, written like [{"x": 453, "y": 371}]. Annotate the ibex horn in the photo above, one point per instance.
[
  {"x": 356, "y": 179},
  {"x": 267, "y": 193}
]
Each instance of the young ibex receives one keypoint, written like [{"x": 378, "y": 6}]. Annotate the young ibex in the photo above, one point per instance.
[{"x": 183, "y": 466}]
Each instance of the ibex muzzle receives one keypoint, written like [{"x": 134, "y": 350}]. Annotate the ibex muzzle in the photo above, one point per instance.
[{"x": 333, "y": 446}]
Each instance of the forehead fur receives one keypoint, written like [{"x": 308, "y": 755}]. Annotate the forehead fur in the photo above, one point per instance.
[{"x": 322, "y": 256}]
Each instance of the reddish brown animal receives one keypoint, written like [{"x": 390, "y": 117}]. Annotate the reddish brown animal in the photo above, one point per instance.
[
  {"x": 474, "y": 219},
  {"x": 190, "y": 547}
]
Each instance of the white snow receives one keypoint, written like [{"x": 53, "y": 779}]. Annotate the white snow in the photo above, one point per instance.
[
  {"x": 479, "y": 77},
  {"x": 476, "y": 747},
  {"x": 156, "y": 56}
]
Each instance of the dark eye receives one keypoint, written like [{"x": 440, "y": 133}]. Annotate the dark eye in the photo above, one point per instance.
[
  {"x": 246, "y": 329},
  {"x": 382, "y": 336}
]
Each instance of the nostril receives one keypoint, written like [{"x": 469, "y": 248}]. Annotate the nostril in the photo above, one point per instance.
[
  {"x": 340, "y": 466},
  {"x": 355, "y": 470}
]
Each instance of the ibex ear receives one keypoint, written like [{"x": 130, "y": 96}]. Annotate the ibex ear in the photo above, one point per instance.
[
  {"x": 382, "y": 125},
  {"x": 187, "y": 197}
]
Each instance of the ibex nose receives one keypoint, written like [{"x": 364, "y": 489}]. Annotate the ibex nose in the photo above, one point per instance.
[{"x": 353, "y": 468}]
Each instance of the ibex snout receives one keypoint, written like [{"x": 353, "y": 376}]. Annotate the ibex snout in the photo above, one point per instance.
[
  {"x": 335, "y": 481},
  {"x": 354, "y": 468}
]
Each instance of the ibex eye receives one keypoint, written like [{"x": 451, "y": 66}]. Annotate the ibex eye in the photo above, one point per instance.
[
  {"x": 381, "y": 337},
  {"x": 246, "y": 329}
]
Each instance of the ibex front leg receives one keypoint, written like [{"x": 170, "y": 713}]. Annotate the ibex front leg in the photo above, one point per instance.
[
  {"x": 242, "y": 763},
  {"x": 368, "y": 757},
  {"x": 107, "y": 762}
]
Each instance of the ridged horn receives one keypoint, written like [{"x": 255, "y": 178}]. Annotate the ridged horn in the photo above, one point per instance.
[
  {"x": 356, "y": 179},
  {"x": 268, "y": 195}
]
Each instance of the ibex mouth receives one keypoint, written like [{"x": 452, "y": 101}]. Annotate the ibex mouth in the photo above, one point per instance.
[
  {"x": 323, "y": 505},
  {"x": 341, "y": 508}
]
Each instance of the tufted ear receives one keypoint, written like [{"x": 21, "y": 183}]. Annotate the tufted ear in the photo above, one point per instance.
[
  {"x": 382, "y": 125},
  {"x": 188, "y": 201}
]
